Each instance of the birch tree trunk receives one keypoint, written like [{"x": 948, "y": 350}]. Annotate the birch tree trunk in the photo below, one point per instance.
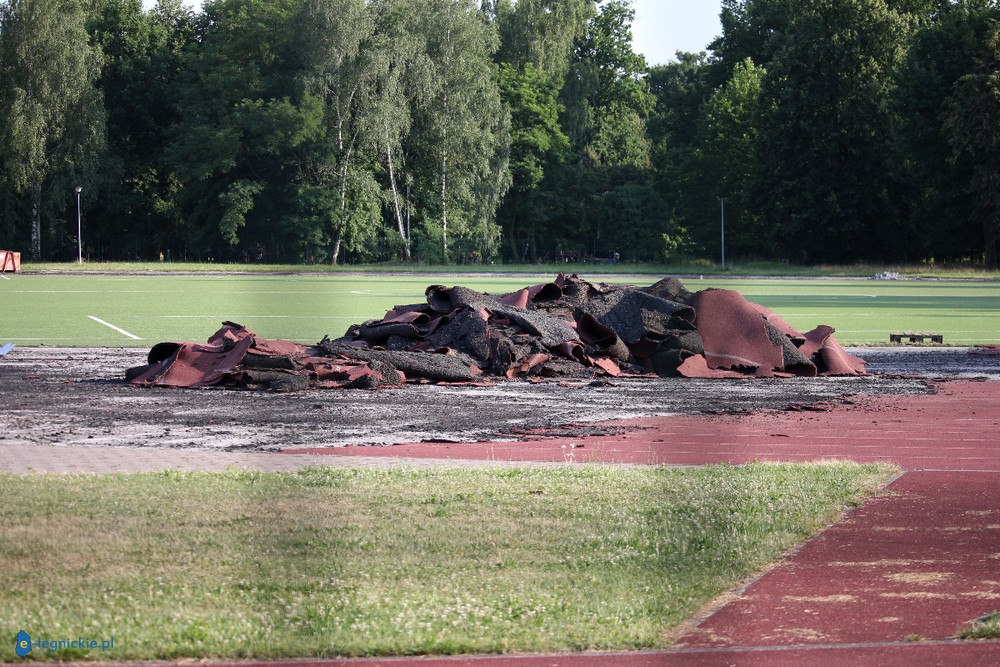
[
  {"x": 444, "y": 199},
  {"x": 336, "y": 248},
  {"x": 36, "y": 222},
  {"x": 403, "y": 231},
  {"x": 445, "y": 111}
]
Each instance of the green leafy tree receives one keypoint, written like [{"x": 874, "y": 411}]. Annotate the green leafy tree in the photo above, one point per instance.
[
  {"x": 537, "y": 141},
  {"x": 757, "y": 29},
  {"x": 342, "y": 68},
  {"x": 824, "y": 177},
  {"x": 945, "y": 49},
  {"x": 405, "y": 82},
  {"x": 606, "y": 103},
  {"x": 142, "y": 56},
  {"x": 641, "y": 231},
  {"x": 541, "y": 34},
  {"x": 751, "y": 29},
  {"x": 536, "y": 42},
  {"x": 728, "y": 136},
  {"x": 52, "y": 114},
  {"x": 681, "y": 89},
  {"x": 239, "y": 123},
  {"x": 460, "y": 131},
  {"x": 971, "y": 125}
]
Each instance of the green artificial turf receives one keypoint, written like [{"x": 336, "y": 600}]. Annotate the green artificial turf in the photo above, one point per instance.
[
  {"x": 867, "y": 311},
  {"x": 146, "y": 309},
  {"x": 362, "y": 562},
  {"x": 679, "y": 267}
]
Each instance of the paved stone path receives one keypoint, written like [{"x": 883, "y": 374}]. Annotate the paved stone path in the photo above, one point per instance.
[{"x": 27, "y": 458}]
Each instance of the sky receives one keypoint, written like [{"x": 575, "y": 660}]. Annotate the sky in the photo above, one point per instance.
[{"x": 661, "y": 28}]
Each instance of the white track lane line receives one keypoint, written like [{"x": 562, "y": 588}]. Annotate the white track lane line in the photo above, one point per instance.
[{"x": 111, "y": 326}]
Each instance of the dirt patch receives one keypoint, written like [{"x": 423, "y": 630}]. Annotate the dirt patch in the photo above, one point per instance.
[
  {"x": 821, "y": 599},
  {"x": 928, "y": 578}
]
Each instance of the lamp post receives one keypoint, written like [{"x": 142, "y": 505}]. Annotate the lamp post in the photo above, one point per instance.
[
  {"x": 79, "y": 239},
  {"x": 722, "y": 204}
]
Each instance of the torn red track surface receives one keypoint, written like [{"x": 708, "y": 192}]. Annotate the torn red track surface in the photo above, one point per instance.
[{"x": 566, "y": 328}]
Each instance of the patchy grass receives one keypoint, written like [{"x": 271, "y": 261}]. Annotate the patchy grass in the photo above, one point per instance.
[
  {"x": 351, "y": 562},
  {"x": 987, "y": 627}
]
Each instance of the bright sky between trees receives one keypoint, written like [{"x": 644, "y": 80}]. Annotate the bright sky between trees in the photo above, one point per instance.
[{"x": 661, "y": 28}]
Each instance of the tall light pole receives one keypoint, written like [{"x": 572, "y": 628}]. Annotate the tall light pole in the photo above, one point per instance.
[
  {"x": 79, "y": 239},
  {"x": 722, "y": 204}
]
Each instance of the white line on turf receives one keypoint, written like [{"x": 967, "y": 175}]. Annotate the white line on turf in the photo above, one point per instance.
[
  {"x": 255, "y": 317},
  {"x": 111, "y": 326}
]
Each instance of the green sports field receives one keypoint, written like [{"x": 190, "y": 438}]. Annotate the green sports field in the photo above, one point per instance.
[{"x": 140, "y": 310}]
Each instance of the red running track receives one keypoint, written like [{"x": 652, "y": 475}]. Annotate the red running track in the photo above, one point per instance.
[
  {"x": 951, "y": 654},
  {"x": 957, "y": 428},
  {"x": 921, "y": 562}
]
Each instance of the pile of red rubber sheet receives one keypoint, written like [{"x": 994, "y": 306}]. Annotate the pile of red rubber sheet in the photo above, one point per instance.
[{"x": 568, "y": 328}]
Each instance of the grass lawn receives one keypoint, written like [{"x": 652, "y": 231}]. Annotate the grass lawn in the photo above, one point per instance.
[
  {"x": 987, "y": 627},
  {"x": 328, "y": 562},
  {"x": 124, "y": 309}
]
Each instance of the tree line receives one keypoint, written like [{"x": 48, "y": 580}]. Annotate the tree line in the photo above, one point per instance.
[{"x": 472, "y": 131}]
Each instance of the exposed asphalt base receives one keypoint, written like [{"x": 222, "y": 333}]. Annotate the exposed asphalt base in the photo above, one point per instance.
[
  {"x": 77, "y": 396},
  {"x": 891, "y": 584}
]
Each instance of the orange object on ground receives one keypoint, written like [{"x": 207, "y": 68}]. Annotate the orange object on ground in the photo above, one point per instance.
[{"x": 10, "y": 261}]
